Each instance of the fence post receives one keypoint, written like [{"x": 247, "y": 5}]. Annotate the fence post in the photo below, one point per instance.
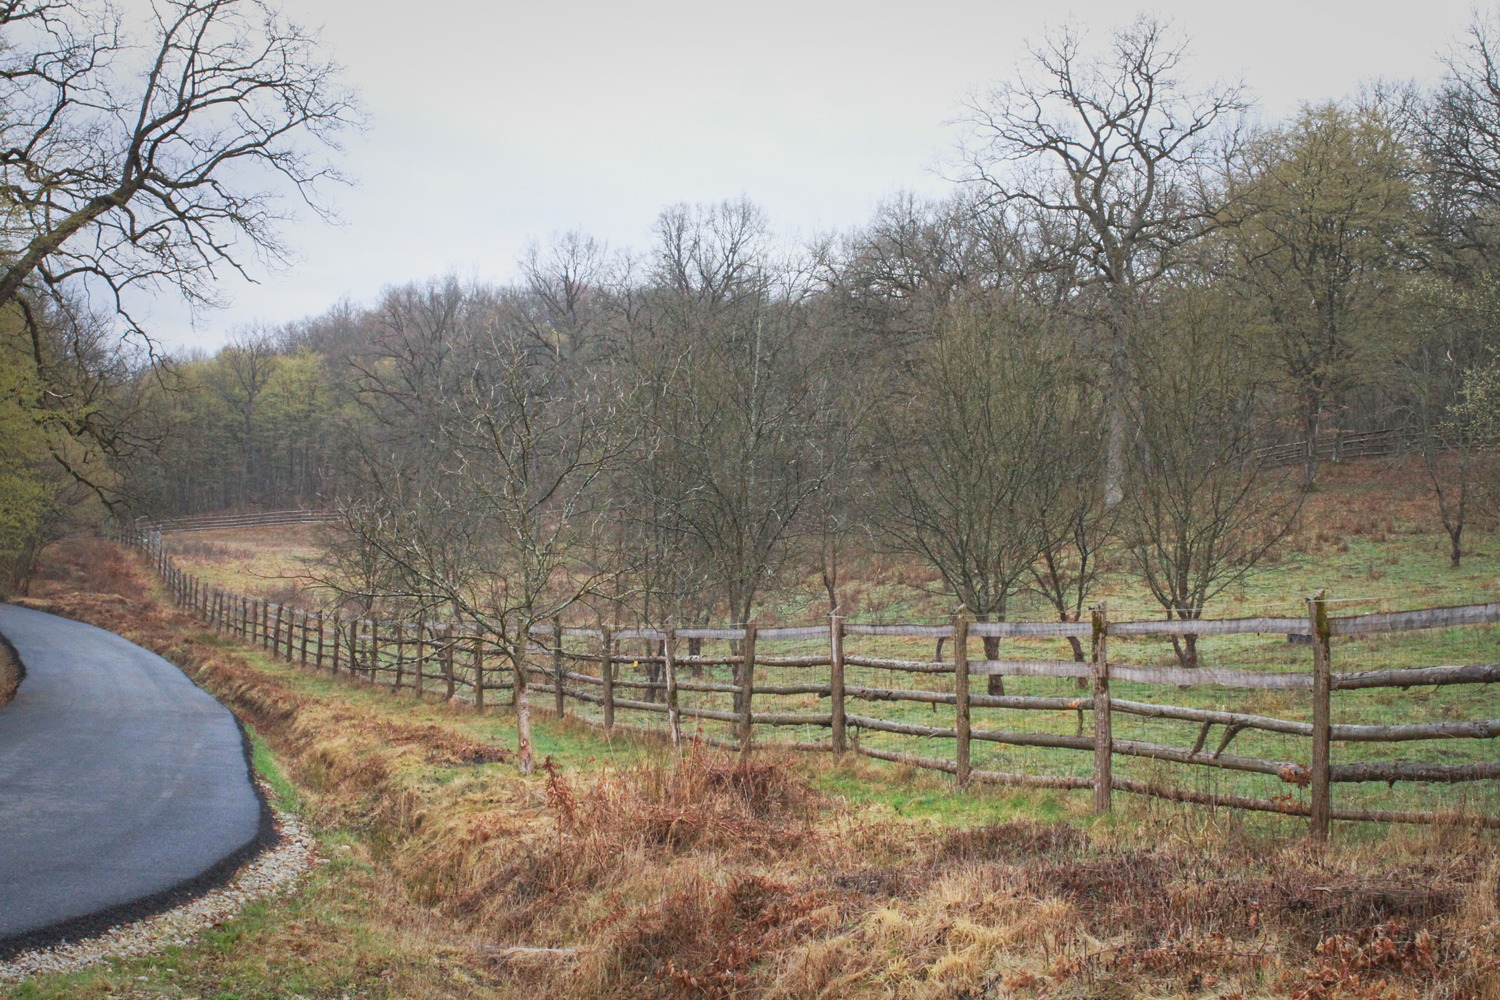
[
  {"x": 418, "y": 679},
  {"x": 669, "y": 662},
  {"x": 747, "y": 685},
  {"x": 836, "y": 680},
  {"x": 961, "y": 696},
  {"x": 478, "y": 672},
  {"x": 607, "y": 661},
  {"x": 372, "y": 650},
  {"x": 448, "y": 660},
  {"x": 1317, "y": 618},
  {"x": 1103, "y": 725},
  {"x": 559, "y": 702},
  {"x": 365, "y": 632},
  {"x": 400, "y": 655},
  {"x": 371, "y": 629}
]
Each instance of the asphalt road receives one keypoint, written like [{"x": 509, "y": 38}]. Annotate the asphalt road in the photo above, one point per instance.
[{"x": 124, "y": 788}]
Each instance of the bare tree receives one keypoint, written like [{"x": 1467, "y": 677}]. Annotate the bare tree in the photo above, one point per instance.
[
  {"x": 1460, "y": 124},
  {"x": 1443, "y": 399},
  {"x": 968, "y": 482},
  {"x": 120, "y": 173},
  {"x": 492, "y": 511},
  {"x": 1110, "y": 151},
  {"x": 734, "y": 416},
  {"x": 1202, "y": 507},
  {"x": 1077, "y": 525},
  {"x": 571, "y": 281}
]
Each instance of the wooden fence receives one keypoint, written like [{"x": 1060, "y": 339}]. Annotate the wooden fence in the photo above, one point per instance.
[
  {"x": 1344, "y": 447},
  {"x": 766, "y": 680},
  {"x": 257, "y": 519}
]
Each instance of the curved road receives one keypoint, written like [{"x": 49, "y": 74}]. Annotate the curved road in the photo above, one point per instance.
[{"x": 124, "y": 788}]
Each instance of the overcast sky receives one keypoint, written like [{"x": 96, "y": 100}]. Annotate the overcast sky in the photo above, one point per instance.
[{"x": 495, "y": 124}]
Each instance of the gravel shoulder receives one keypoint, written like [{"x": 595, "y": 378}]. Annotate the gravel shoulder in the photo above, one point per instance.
[{"x": 276, "y": 870}]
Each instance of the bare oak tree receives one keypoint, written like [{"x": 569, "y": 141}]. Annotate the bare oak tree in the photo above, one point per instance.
[
  {"x": 118, "y": 171},
  {"x": 1108, "y": 153}
]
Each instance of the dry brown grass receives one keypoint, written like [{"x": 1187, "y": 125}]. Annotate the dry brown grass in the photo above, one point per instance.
[
  {"x": 276, "y": 562},
  {"x": 10, "y": 674},
  {"x": 715, "y": 875}
]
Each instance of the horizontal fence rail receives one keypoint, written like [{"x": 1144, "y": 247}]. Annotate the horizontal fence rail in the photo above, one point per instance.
[
  {"x": 1343, "y": 447},
  {"x": 818, "y": 680},
  {"x": 220, "y": 522}
]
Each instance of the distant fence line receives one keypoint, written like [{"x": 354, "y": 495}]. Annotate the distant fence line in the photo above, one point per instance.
[
  {"x": 217, "y": 522},
  {"x": 588, "y": 667},
  {"x": 1343, "y": 447}
]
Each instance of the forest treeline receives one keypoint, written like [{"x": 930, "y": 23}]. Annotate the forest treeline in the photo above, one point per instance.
[{"x": 1090, "y": 342}]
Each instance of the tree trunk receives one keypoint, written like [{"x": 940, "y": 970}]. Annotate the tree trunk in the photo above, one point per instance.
[
  {"x": 523, "y": 719},
  {"x": 992, "y": 652},
  {"x": 1081, "y": 683},
  {"x": 1310, "y": 422},
  {"x": 1186, "y": 648}
]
